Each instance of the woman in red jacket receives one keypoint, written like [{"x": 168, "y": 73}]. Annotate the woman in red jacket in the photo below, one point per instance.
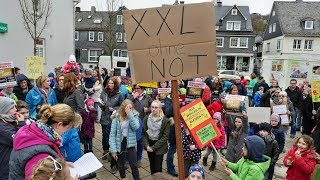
[{"x": 301, "y": 159}]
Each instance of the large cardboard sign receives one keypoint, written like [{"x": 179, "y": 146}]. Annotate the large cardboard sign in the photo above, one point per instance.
[
  {"x": 259, "y": 114},
  {"x": 7, "y": 76},
  {"x": 194, "y": 90},
  {"x": 34, "y": 66},
  {"x": 315, "y": 89},
  {"x": 199, "y": 122},
  {"x": 171, "y": 42}
]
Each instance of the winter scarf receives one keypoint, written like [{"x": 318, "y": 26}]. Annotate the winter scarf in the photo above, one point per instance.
[
  {"x": 142, "y": 95},
  {"x": 8, "y": 95},
  {"x": 111, "y": 92},
  {"x": 154, "y": 126},
  {"x": 50, "y": 132}
]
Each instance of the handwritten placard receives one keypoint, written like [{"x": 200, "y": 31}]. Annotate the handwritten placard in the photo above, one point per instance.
[
  {"x": 171, "y": 42},
  {"x": 280, "y": 109},
  {"x": 315, "y": 88},
  {"x": 199, "y": 122},
  {"x": 259, "y": 114},
  {"x": 284, "y": 119},
  {"x": 234, "y": 97},
  {"x": 7, "y": 76},
  {"x": 34, "y": 66}
]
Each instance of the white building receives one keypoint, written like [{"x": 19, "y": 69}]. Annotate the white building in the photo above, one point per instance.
[{"x": 57, "y": 40}]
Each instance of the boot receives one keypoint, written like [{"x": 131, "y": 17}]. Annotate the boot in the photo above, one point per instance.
[
  {"x": 213, "y": 166},
  {"x": 85, "y": 151},
  {"x": 205, "y": 161}
]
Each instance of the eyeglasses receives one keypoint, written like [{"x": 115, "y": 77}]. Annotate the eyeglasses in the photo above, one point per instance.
[
  {"x": 154, "y": 107},
  {"x": 57, "y": 167}
]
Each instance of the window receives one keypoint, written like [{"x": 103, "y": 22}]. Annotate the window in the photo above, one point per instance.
[
  {"x": 238, "y": 42},
  {"x": 91, "y": 36},
  {"x": 297, "y": 44},
  {"x": 122, "y": 64},
  {"x": 120, "y": 53},
  {"x": 274, "y": 27},
  {"x": 233, "y": 25},
  {"x": 76, "y": 35},
  {"x": 40, "y": 48},
  {"x": 234, "y": 12},
  {"x": 273, "y": 13},
  {"x": 278, "y": 44},
  {"x": 270, "y": 28},
  {"x": 100, "y": 36},
  {"x": 308, "y": 44},
  {"x": 124, "y": 37},
  {"x": 259, "y": 48},
  {"x": 268, "y": 47},
  {"x": 119, "y": 37},
  {"x": 308, "y": 25},
  {"x": 219, "y": 41},
  {"x": 94, "y": 55},
  {"x": 119, "y": 19}
]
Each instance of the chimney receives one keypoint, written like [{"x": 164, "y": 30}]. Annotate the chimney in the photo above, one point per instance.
[
  {"x": 93, "y": 9},
  {"x": 176, "y": 2},
  {"x": 181, "y": 2},
  {"x": 78, "y": 9},
  {"x": 219, "y": 3}
]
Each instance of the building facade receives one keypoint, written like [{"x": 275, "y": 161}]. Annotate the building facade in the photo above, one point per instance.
[{"x": 55, "y": 44}]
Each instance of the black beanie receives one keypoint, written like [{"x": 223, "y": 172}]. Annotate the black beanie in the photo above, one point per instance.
[{"x": 266, "y": 127}]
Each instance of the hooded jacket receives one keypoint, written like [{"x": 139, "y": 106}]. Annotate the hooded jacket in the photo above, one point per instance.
[
  {"x": 87, "y": 126},
  {"x": 295, "y": 97},
  {"x": 279, "y": 135},
  {"x": 301, "y": 168},
  {"x": 71, "y": 149},
  {"x": 114, "y": 102},
  {"x": 254, "y": 165},
  {"x": 30, "y": 145},
  {"x": 18, "y": 91},
  {"x": 76, "y": 100},
  {"x": 272, "y": 148}
]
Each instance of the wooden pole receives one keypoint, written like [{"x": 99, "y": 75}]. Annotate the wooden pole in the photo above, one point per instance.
[{"x": 177, "y": 124}]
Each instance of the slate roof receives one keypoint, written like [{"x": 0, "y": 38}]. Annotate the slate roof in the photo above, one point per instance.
[
  {"x": 222, "y": 10},
  {"x": 290, "y": 15}
]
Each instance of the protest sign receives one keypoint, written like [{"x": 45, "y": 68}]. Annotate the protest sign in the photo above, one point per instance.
[
  {"x": 258, "y": 114},
  {"x": 163, "y": 93},
  {"x": 148, "y": 85},
  {"x": 34, "y": 66},
  {"x": 171, "y": 42},
  {"x": 199, "y": 122},
  {"x": 280, "y": 109},
  {"x": 234, "y": 97},
  {"x": 194, "y": 90},
  {"x": 315, "y": 89},
  {"x": 7, "y": 76}
]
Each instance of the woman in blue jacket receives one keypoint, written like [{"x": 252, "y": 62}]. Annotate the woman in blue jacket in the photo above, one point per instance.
[
  {"x": 39, "y": 95},
  {"x": 122, "y": 138}
]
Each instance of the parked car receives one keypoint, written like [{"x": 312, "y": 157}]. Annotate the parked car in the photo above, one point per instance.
[{"x": 228, "y": 74}]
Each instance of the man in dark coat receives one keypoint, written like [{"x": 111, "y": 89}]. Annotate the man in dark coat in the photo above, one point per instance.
[
  {"x": 24, "y": 86},
  {"x": 261, "y": 83}
]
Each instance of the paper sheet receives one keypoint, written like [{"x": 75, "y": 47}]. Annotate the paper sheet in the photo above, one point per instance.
[{"x": 88, "y": 163}]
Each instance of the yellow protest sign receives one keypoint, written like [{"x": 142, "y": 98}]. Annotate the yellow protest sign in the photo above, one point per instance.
[
  {"x": 34, "y": 66},
  {"x": 149, "y": 85},
  {"x": 315, "y": 88}
]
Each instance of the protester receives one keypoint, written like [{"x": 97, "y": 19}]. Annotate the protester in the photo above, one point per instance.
[
  {"x": 218, "y": 143},
  {"x": 226, "y": 86},
  {"x": 122, "y": 88},
  {"x": 252, "y": 83},
  {"x": 52, "y": 79},
  {"x": 71, "y": 66},
  {"x": 73, "y": 93},
  {"x": 253, "y": 164},
  {"x": 10, "y": 122},
  {"x": 52, "y": 169},
  {"x": 216, "y": 88},
  {"x": 155, "y": 95},
  {"x": 301, "y": 159},
  {"x": 243, "y": 80},
  {"x": 122, "y": 139},
  {"x": 277, "y": 130},
  {"x": 97, "y": 89},
  {"x": 104, "y": 75},
  {"x": 8, "y": 92},
  {"x": 155, "y": 136},
  {"x": 257, "y": 97},
  {"x": 24, "y": 86},
  {"x": 58, "y": 88},
  {"x": 308, "y": 121},
  {"x": 217, "y": 106},
  {"x": 87, "y": 128},
  {"x": 23, "y": 109},
  {"x": 129, "y": 85},
  {"x": 261, "y": 83},
  {"x": 38, "y": 140},
  {"x": 241, "y": 88},
  {"x": 206, "y": 95},
  {"x": 111, "y": 100},
  {"x": 39, "y": 95},
  {"x": 89, "y": 82},
  {"x": 196, "y": 172},
  {"x": 274, "y": 84}
]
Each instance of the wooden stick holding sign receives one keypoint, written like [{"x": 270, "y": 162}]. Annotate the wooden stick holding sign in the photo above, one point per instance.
[{"x": 214, "y": 148}]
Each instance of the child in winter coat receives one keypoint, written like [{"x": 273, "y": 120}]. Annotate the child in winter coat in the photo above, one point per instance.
[
  {"x": 218, "y": 143},
  {"x": 301, "y": 159},
  {"x": 253, "y": 164},
  {"x": 277, "y": 130},
  {"x": 89, "y": 82},
  {"x": 236, "y": 139},
  {"x": 191, "y": 152},
  {"x": 271, "y": 149},
  {"x": 257, "y": 97},
  {"x": 87, "y": 128}
]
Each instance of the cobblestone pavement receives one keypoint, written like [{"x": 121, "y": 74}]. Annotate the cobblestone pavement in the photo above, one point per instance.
[{"x": 105, "y": 172}]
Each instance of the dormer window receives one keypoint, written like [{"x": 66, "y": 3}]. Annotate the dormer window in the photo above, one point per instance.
[
  {"x": 308, "y": 25},
  {"x": 234, "y": 12}
]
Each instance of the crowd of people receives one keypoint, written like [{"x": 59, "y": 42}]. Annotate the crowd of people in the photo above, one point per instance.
[{"x": 44, "y": 124}]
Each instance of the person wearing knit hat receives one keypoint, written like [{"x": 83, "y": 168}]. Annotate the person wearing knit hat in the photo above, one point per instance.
[
  {"x": 278, "y": 130},
  {"x": 89, "y": 102},
  {"x": 265, "y": 127},
  {"x": 196, "y": 172},
  {"x": 7, "y": 106},
  {"x": 275, "y": 117}
]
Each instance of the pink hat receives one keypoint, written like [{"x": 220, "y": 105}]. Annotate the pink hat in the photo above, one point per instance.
[
  {"x": 89, "y": 102},
  {"x": 217, "y": 115}
]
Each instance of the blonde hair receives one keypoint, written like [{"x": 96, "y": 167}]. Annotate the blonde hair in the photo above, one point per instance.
[
  {"x": 122, "y": 112},
  {"x": 77, "y": 120},
  {"x": 159, "y": 104},
  {"x": 58, "y": 113},
  {"x": 45, "y": 170},
  {"x": 40, "y": 80}
]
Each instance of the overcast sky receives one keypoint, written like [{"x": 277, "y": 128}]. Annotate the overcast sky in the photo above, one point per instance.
[{"x": 256, "y": 6}]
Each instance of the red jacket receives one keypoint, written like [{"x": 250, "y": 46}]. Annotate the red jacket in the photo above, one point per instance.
[
  {"x": 301, "y": 168},
  {"x": 216, "y": 106},
  {"x": 206, "y": 96},
  {"x": 221, "y": 141}
]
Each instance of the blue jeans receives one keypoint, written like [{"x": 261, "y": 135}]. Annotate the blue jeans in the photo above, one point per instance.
[
  {"x": 299, "y": 117},
  {"x": 105, "y": 136},
  {"x": 293, "y": 124},
  {"x": 139, "y": 149},
  {"x": 170, "y": 155}
]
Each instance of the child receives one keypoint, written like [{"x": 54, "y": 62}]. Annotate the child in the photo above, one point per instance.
[
  {"x": 271, "y": 149},
  {"x": 87, "y": 128},
  {"x": 89, "y": 81},
  {"x": 70, "y": 148},
  {"x": 300, "y": 160},
  {"x": 196, "y": 172},
  {"x": 257, "y": 97},
  {"x": 277, "y": 130},
  {"x": 191, "y": 153},
  {"x": 218, "y": 143},
  {"x": 252, "y": 165},
  {"x": 50, "y": 168},
  {"x": 237, "y": 137},
  {"x": 23, "y": 109}
]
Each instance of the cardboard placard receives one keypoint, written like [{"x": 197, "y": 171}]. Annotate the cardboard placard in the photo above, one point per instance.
[
  {"x": 194, "y": 90},
  {"x": 34, "y": 66},
  {"x": 315, "y": 89},
  {"x": 148, "y": 85},
  {"x": 7, "y": 76},
  {"x": 234, "y": 97},
  {"x": 171, "y": 42},
  {"x": 199, "y": 122},
  {"x": 259, "y": 114},
  {"x": 163, "y": 92},
  {"x": 279, "y": 109}
]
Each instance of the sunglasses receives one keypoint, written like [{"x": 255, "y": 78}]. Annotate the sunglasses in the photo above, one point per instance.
[{"x": 57, "y": 167}]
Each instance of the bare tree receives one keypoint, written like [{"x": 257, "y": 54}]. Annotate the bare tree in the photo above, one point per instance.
[{"x": 35, "y": 16}]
